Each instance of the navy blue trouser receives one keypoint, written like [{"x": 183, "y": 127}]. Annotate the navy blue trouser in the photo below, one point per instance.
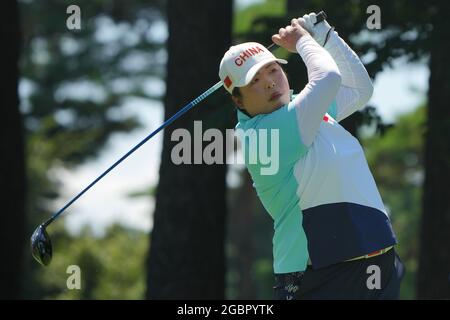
[{"x": 373, "y": 278}]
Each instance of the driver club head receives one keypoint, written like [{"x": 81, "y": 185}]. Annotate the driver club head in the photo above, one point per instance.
[{"x": 41, "y": 246}]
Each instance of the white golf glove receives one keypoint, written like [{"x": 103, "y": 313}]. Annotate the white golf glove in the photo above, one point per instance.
[{"x": 319, "y": 31}]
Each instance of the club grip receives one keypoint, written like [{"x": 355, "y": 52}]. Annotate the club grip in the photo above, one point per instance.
[{"x": 320, "y": 17}]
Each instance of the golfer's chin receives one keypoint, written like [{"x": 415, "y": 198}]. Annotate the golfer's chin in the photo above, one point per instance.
[{"x": 278, "y": 104}]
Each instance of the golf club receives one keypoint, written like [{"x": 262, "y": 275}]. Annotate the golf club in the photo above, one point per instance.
[{"x": 41, "y": 246}]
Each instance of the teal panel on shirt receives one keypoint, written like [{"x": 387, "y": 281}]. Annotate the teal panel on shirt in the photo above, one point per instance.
[
  {"x": 289, "y": 145},
  {"x": 278, "y": 191}
]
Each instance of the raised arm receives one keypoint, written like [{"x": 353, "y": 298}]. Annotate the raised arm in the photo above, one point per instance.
[
  {"x": 357, "y": 87},
  {"x": 324, "y": 79}
]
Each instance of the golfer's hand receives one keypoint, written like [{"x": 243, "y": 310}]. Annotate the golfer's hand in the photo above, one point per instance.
[
  {"x": 287, "y": 37},
  {"x": 317, "y": 31}
]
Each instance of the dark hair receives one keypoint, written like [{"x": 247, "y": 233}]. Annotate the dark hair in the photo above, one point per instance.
[{"x": 238, "y": 94}]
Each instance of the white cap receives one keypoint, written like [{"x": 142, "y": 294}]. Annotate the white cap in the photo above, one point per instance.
[{"x": 240, "y": 64}]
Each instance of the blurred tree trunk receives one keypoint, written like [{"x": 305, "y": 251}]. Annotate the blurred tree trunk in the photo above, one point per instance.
[
  {"x": 434, "y": 256},
  {"x": 187, "y": 259},
  {"x": 241, "y": 237},
  {"x": 12, "y": 166}
]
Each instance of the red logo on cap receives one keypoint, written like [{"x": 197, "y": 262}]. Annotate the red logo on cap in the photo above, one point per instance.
[
  {"x": 227, "y": 82},
  {"x": 239, "y": 61}
]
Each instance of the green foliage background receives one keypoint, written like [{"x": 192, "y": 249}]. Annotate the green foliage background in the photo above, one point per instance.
[{"x": 113, "y": 265}]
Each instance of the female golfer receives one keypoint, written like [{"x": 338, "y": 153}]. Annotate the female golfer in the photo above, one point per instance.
[{"x": 332, "y": 235}]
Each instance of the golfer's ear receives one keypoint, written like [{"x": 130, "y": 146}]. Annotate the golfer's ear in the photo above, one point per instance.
[{"x": 238, "y": 102}]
